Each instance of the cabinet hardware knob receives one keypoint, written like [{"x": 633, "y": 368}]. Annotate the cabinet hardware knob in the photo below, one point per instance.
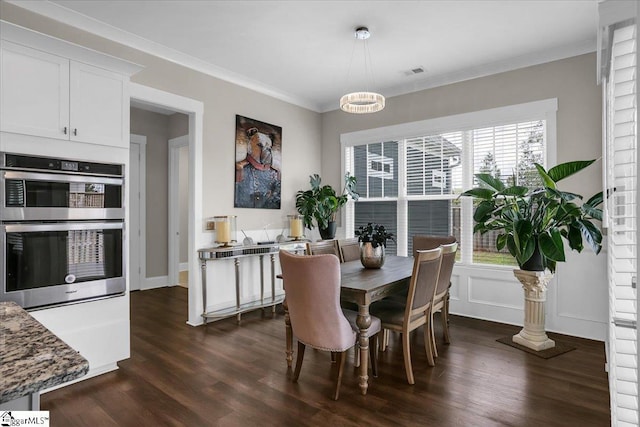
[
  {"x": 64, "y": 130},
  {"x": 75, "y": 132}
]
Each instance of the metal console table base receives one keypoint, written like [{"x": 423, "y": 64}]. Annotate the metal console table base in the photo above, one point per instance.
[{"x": 237, "y": 253}]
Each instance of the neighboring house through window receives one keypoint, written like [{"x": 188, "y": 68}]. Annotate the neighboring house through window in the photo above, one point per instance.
[{"x": 410, "y": 176}]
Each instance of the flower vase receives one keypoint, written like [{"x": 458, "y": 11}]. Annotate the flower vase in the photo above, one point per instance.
[{"x": 371, "y": 257}]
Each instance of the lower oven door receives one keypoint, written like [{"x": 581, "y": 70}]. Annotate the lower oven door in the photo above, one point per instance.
[{"x": 56, "y": 263}]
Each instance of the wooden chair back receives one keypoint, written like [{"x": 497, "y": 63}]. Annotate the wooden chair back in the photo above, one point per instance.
[
  {"x": 349, "y": 249},
  {"x": 323, "y": 247},
  {"x": 425, "y": 241}
]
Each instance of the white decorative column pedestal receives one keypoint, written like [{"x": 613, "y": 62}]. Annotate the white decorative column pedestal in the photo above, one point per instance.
[{"x": 533, "y": 334}]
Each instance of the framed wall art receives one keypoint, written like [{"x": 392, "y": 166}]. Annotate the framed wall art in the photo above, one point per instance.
[{"x": 258, "y": 164}]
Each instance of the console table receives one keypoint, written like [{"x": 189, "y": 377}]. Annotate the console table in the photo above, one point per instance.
[{"x": 238, "y": 253}]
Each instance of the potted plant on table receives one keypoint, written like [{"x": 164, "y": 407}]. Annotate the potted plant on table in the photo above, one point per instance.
[
  {"x": 373, "y": 239},
  {"x": 534, "y": 226},
  {"x": 322, "y": 203}
]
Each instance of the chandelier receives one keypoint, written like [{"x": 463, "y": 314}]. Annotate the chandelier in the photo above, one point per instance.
[{"x": 362, "y": 102}]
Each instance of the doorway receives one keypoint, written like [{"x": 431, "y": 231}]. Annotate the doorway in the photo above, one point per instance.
[{"x": 194, "y": 109}]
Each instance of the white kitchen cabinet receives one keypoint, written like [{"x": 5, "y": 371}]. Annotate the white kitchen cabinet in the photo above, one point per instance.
[
  {"x": 99, "y": 106},
  {"x": 47, "y": 84},
  {"x": 50, "y": 96},
  {"x": 34, "y": 92}
]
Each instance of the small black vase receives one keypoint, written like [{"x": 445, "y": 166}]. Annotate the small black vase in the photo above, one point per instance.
[
  {"x": 329, "y": 232},
  {"x": 535, "y": 263}
]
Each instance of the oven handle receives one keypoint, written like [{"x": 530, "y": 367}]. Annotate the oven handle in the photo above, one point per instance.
[
  {"x": 65, "y": 226},
  {"x": 61, "y": 178}
]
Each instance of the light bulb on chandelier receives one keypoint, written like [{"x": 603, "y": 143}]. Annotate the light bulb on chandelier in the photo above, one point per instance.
[{"x": 362, "y": 102}]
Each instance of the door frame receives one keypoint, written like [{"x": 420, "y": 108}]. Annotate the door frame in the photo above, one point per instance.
[
  {"x": 174, "y": 208},
  {"x": 141, "y": 141},
  {"x": 197, "y": 239}
]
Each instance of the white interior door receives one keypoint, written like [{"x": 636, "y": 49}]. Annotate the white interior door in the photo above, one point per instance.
[
  {"x": 174, "y": 206},
  {"x": 137, "y": 212}
]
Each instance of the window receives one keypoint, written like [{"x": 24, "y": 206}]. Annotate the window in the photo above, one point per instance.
[{"x": 411, "y": 184}]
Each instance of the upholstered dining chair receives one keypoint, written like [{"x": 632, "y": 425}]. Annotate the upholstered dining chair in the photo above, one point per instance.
[
  {"x": 312, "y": 291},
  {"x": 349, "y": 249},
  {"x": 424, "y": 241},
  {"x": 441, "y": 298},
  {"x": 416, "y": 311},
  {"x": 323, "y": 247}
]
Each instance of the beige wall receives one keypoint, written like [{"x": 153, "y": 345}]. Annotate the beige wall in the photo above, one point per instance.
[
  {"x": 571, "y": 80},
  {"x": 301, "y": 147},
  {"x": 178, "y": 125},
  {"x": 577, "y": 297}
]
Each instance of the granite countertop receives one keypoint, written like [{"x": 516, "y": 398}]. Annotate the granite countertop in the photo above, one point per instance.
[{"x": 32, "y": 358}]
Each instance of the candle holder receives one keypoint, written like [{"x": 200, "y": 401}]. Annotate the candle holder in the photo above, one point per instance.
[
  {"x": 225, "y": 230},
  {"x": 296, "y": 227}
]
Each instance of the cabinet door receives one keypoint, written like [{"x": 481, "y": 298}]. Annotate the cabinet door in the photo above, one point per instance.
[
  {"x": 34, "y": 92},
  {"x": 99, "y": 106}
]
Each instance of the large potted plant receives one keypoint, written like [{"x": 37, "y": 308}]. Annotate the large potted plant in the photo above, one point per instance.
[
  {"x": 321, "y": 203},
  {"x": 373, "y": 241},
  {"x": 534, "y": 226}
]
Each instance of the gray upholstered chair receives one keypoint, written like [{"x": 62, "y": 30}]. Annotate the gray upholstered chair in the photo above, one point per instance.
[
  {"x": 423, "y": 241},
  {"x": 312, "y": 290},
  {"x": 349, "y": 249},
  {"x": 441, "y": 298},
  {"x": 416, "y": 311}
]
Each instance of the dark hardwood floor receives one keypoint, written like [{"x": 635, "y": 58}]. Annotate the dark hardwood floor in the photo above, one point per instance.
[{"x": 236, "y": 375}]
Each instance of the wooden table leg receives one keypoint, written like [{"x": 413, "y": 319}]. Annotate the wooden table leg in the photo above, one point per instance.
[
  {"x": 288, "y": 333},
  {"x": 363, "y": 321}
]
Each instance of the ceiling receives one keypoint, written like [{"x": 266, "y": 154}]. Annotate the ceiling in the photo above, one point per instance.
[{"x": 300, "y": 51}]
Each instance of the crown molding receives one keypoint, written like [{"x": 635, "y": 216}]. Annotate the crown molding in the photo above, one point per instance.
[
  {"x": 109, "y": 32},
  {"x": 85, "y": 23}
]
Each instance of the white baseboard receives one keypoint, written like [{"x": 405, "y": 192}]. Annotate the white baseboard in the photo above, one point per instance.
[
  {"x": 183, "y": 266},
  {"x": 154, "y": 282}
]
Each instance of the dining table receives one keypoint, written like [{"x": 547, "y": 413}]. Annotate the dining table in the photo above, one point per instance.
[{"x": 363, "y": 286}]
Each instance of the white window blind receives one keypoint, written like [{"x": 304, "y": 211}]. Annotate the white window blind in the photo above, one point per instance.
[
  {"x": 621, "y": 183},
  {"x": 410, "y": 175}
]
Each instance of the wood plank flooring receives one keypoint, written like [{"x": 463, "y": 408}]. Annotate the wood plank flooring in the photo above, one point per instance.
[{"x": 227, "y": 374}]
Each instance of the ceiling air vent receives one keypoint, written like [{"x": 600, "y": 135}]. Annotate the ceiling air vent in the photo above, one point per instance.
[{"x": 413, "y": 71}]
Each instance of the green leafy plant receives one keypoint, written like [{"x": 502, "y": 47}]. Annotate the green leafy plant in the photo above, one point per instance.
[
  {"x": 321, "y": 203},
  {"x": 538, "y": 222},
  {"x": 374, "y": 233}
]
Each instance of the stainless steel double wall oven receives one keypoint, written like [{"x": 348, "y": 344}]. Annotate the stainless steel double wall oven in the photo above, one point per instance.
[{"x": 61, "y": 230}]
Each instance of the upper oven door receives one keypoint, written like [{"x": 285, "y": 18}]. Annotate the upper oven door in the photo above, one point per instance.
[{"x": 32, "y": 196}]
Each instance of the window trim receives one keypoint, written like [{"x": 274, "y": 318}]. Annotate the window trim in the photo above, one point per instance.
[{"x": 537, "y": 110}]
